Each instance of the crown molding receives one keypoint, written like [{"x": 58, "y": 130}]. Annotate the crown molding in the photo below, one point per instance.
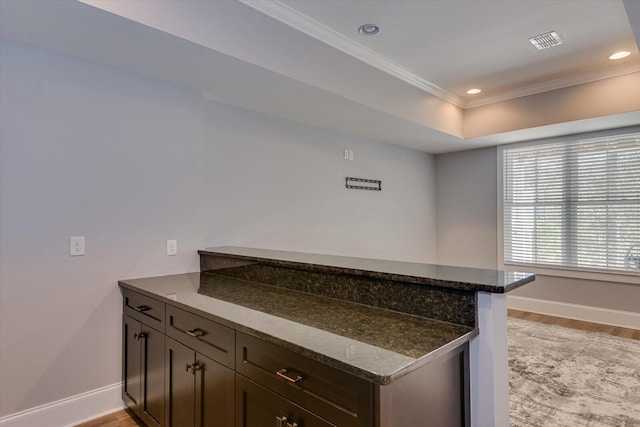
[
  {"x": 301, "y": 22},
  {"x": 550, "y": 85}
]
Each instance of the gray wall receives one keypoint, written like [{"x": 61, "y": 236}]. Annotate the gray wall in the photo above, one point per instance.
[
  {"x": 130, "y": 162},
  {"x": 466, "y": 208},
  {"x": 85, "y": 151},
  {"x": 275, "y": 183},
  {"x": 466, "y": 200}
]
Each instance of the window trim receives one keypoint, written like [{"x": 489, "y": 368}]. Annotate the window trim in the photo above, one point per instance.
[{"x": 559, "y": 271}]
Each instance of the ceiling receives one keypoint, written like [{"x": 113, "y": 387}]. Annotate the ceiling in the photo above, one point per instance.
[
  {"x": 464, "y": 44},
  {"x": 303, "y": 60}
]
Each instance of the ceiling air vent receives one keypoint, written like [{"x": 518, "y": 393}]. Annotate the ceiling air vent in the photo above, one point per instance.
[{"x": 546, "y": 40}]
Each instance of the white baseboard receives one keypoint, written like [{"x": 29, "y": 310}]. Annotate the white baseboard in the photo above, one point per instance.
[
  {"x": 70, "y": 411},
  {"x": 625, "y": 319}
]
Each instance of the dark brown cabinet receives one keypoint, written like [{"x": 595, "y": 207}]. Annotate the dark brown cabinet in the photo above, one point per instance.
[
  {"x": 199, "y": 392},
  {"x": 334, "y": 395},
  {"x": 259, "y": 407},
  {"x": 212, "y": 339},
  {"x": 143, "y": 370},
  {"x": 183, "y": 369}
]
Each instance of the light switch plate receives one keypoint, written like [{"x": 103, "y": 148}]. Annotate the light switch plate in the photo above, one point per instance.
[{"x": 172, "y": 247}]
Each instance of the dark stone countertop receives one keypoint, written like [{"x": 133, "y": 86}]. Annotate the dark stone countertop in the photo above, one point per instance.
[
  {"x": 375, "y": 344},
  {"x": 445, "y": 276}
]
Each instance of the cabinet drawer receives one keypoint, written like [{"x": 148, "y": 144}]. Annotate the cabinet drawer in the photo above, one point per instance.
[
  {"x": 205, "y": 336},
  {"x": 258, "y": 407},
  {"x": 144, "y": 309},
  {"x": 338, "y": 397}
]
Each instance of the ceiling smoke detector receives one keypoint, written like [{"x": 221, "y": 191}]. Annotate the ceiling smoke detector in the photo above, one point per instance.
[{"x": 546, "y": 40}]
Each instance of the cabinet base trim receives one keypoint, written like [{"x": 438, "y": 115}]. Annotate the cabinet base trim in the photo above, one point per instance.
[{"x": 71, "y": 410}]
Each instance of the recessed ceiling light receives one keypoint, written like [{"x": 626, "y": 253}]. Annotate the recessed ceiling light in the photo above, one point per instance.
[
  {"x": 369, "y": 29},
  {"x": 620, "y": 55},
  {"x": 474, "y": 91}
]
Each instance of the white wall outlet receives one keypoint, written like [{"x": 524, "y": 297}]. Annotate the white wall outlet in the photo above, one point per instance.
[
  {"x": 76, "y": 245},
  {"x": 350, "y": 154},
  {"x": 346, "y": 154},
  {"x": 172, "y": 247}
]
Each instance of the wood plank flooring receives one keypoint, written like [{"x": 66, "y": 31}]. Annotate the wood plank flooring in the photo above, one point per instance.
[
  {"x": 576, "y": 324},
  {"x": 127, "y": 418},
  {"x": 124, "y": 418}
]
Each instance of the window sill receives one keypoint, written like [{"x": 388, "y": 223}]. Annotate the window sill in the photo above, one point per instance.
[{"x": 632, "y": 278}]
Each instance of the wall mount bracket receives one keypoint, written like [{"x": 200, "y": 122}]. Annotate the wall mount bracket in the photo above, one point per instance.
[{"x": 363, "y": 184}]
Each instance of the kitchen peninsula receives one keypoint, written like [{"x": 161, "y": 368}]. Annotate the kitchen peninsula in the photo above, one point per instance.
[{"x": 262, "y": 336}]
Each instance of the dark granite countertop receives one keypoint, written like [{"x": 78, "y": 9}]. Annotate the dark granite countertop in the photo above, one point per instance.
[
  {"x": 474, "y": 279},
  {"x": 372, "y": 343}
]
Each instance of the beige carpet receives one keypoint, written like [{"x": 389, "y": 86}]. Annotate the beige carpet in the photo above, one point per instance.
[{"x": 565, "y": 377}]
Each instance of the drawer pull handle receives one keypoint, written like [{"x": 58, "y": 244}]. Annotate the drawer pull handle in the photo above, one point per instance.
[
  {"x": 142, "y": 308},
  {"x": 282, "y": 373},
  {"x": 195, "y": 333},
  {"x": 283, "y": 422}
]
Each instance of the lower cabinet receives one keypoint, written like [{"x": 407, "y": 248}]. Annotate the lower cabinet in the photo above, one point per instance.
[
  {"x": 199, "y": 391},
  {"x": 258, "y": 407},
  {"x": 204, "y": 374},
  {"x": 143, "y": 370}
]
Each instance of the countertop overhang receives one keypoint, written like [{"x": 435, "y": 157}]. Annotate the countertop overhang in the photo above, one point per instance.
[{"x": 445, "y": 276}]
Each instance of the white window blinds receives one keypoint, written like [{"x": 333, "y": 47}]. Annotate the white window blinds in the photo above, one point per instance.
[{"x": 574, "y": 204}]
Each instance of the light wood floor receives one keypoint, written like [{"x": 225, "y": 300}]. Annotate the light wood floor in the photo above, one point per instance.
[{"x": 128, "y": 419}]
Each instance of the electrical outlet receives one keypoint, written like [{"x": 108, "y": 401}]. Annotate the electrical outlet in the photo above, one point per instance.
[
  {"x": 346, "y": 154},
  {"x": 76, "y": 246},
  {"x": 350, "y": 154},
  {"x": 172, "y": 247}
]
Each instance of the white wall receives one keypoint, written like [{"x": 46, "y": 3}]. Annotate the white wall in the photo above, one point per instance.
[
  {"x": 277, "y": 184},
  {"x": 467, "y": 229},
  {"x": 128, "y": 163}
]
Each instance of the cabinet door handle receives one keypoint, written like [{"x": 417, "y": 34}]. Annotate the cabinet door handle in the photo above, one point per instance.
[
  {"x": 280, "y": 421},
  {"x": 142, "y": 308},
  {"x": 195, "y": 332},
  {"x": 194, "y": 367},
  {"x": 282, "y": 373},
  {"x": 292, "y": 424},
  {"x": 140, "y": 336}
]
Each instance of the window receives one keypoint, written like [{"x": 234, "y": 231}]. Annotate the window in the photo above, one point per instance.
[{"x": 573, "y": 204}]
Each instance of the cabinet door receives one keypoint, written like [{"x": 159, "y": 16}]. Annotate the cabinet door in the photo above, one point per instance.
[
  {"x": 152, "y": 378},
  {"x": 180, "y": 385},
  {"x": 215, "y": 394},
  {"x": 258, "y": 407},
  {"x": 131, "y": 378}
]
